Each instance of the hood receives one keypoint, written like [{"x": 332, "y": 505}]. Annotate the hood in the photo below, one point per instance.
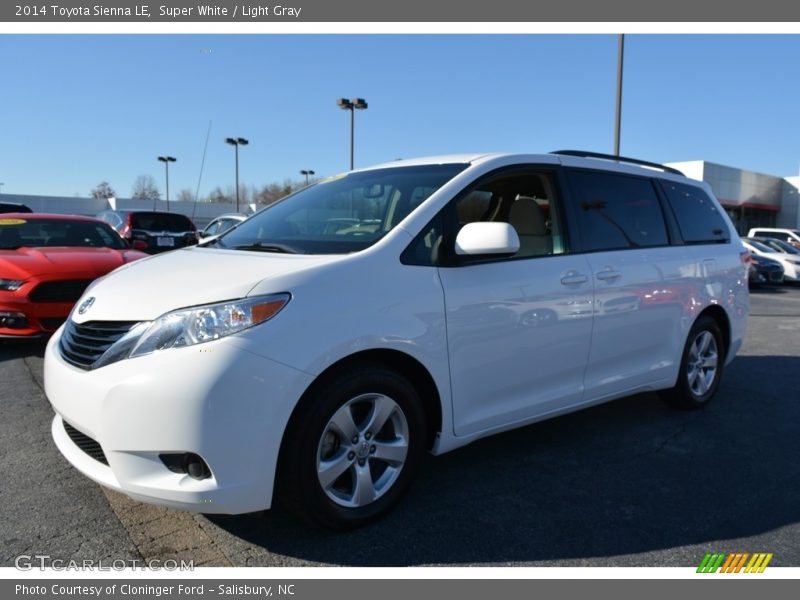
[
  {"x": 88, "y": 263},
  {"x": 147, "y": 289}
]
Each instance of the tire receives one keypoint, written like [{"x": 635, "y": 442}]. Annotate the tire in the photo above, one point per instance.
[
  {"x": 352, "y": 448},
  {"x": 701, "y": 368}
]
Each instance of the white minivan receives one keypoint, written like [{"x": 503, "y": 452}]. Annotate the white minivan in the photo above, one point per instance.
[{"x": 314, "y": 353}]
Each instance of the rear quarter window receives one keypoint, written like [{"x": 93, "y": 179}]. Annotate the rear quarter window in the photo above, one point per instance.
[{"x": 699, "y": 219}]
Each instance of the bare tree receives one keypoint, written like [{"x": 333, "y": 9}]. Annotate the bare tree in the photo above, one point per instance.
[
  {"x": 274, "y": 191},
  {"x": 145, "y": 188},
  {"x": 266, "y": 194},
  {"x": 185, "y": 196},
  {"x": 217, "y": 195},
  {"x": 104, "y": 190}
]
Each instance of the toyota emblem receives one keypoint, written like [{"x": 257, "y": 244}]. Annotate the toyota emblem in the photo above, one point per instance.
[{"x": 86, "y": 305}]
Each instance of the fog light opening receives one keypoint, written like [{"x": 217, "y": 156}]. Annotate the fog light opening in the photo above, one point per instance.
[
  {"x": 13, "y": 320},
  {"x": 187, "y": 463}
]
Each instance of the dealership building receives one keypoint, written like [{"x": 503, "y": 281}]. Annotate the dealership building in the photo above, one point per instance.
[{"x": 751, "y": 199}]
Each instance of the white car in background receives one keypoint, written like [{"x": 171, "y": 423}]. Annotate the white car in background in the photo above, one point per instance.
[
  {"x": 779, "y": 245},
  {"x": 792, "y": 236},
  {"x": 416, "y": 306},
  {"x": 789, "y": 262},
  {"x": 221, "y": 224}
]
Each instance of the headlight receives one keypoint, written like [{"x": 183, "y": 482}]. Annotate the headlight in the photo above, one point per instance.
[
  {"x": 10, "y": 285},
  {"x": 190, "y": 326}
]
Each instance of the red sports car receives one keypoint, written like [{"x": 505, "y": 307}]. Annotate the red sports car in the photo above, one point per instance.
[{"x": 46, "y": 262}]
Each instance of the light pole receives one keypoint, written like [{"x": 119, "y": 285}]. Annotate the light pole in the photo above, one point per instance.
[
  {"x": 352, "y": 105},
  {"x": 618, "y": 119},
  {"x": 302, "y": 172},
  {"x": 166, "y": 160},
  {"x": 236, "y": 142}
]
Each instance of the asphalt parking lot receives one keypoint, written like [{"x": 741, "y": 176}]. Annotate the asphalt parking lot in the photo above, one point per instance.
[{"x": 629, "y": 483}]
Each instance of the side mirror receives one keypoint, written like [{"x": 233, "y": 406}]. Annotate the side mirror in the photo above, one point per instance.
[{"x": 482, "y": 238}]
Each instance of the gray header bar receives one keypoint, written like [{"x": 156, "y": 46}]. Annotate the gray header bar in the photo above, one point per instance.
[{"x": 338, "y": 11}]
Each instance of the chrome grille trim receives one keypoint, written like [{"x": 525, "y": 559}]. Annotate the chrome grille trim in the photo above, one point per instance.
[{"x": 82, "y": 345}]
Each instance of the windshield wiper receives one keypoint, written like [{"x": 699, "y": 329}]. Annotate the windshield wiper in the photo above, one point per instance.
[
  {"x": 268, "y": 247},
  {"x": 210, "y": 243}
]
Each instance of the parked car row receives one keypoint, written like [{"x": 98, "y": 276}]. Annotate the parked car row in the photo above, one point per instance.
[
  {"x": 789, "y": 236},
  {"x": 772, "y": 260},
  {"x": 48, "y": 260}
]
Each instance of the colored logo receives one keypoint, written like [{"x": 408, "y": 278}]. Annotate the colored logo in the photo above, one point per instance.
[{"x": 740, "y": 562}]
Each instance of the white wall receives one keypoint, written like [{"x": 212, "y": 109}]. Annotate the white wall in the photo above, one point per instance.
[{"x": 790, "y": 205}]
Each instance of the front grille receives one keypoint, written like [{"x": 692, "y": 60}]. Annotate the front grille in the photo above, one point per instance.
[
  {"x": 85, "y": 443},
  {"x": 51, "y": 323},
  {"x": 81, "y": 345},
  {"x": 59, "y": 291}
]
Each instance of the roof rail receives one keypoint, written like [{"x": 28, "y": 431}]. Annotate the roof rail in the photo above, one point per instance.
[{"x": 623, "y": 159}]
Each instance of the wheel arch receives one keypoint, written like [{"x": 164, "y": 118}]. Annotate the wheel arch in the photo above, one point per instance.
[
  {"x": 716, "y": 312},
  {"x": 396, "y": 360}
]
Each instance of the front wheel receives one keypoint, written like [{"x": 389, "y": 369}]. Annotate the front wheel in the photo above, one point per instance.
[
  {"x": 353, "y": 448},
  {"x": 701, "y": 366}
]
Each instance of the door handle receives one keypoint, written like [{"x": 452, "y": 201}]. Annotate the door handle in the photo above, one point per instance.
[
  {"x": 608, "y": 275},
  {"x": 573, "y": 278}
]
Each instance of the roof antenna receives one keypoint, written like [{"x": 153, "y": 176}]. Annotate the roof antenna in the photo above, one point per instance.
[{"x": 202, "y": 164}]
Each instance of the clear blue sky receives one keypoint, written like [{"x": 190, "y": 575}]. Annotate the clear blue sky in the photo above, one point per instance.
[{"x": 78, "y": 109}]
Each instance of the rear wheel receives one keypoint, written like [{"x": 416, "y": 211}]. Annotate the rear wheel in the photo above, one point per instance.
[
  {"x": 353, "y": 449},
  {"x": 701, "y": 366}
]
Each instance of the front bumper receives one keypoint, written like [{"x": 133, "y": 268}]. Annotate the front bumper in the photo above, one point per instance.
[
  {"x": 41, "y": 318},
  {"x": 218, "y": 400}
]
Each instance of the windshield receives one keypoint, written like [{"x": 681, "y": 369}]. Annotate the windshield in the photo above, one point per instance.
[
  {"x": 341, "y": 214},
  {"x": 15, "y": 233},
  {"x": 760, "y": 247},
  {"x": 159, "y": 221},
  {"x": 782, "y": 246}
]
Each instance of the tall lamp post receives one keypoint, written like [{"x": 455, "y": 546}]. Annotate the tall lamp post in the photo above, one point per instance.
[
  {"x": 352, "y": 105},
  {"x": 236, "y": 142},
  {"x": 302, "y": 172},
  {"x": 618, "y": 119},
  {"x": 166, "y": 160}
]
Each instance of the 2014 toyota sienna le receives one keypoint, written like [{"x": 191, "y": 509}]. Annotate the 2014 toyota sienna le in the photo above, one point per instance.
[{"x": 316, "y": 351}]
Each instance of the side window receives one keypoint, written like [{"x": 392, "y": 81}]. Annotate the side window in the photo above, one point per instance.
[
  {"x": 426, "y": 248},
  {"x": 108, "y": 239},
  {"x": 698, "y": 218},
  {"x": 617, "y": 212},
  {"x": 112, "y": 219},
  {"x": 226, "y": 224},
  {"x": 212, "y": 228},
  {"x": 526, "y": 201}
]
